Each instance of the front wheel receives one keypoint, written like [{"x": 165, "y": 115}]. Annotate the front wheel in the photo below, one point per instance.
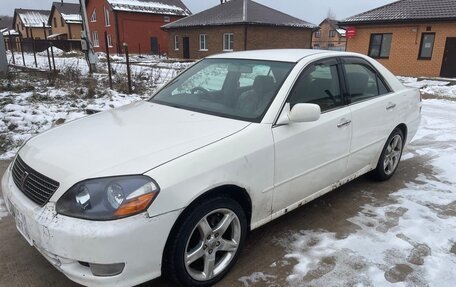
[
  {"x": 207, "y": 244},
  {"x": 390, "y": 157}
]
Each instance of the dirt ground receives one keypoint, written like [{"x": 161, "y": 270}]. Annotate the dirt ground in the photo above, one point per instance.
[{"x": 21, "y": 265}]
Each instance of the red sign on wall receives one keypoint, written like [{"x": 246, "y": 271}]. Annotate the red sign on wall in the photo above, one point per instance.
[{"x": 351, "y": 32}]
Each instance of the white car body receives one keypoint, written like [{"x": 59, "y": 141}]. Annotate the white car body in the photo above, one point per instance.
[{"x": 188, "y": 154}]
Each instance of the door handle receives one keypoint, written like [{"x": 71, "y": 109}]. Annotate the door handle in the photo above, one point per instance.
[
  {"x": 344, "y": 123},
  {"x": 390, "y": 106}
]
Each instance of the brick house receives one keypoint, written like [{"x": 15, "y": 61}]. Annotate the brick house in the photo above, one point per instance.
[
  {"x": 134, "y": 22},
  {"x": 234, "y": 26},
  {"x": 29, "y": 23},
  {"x": 330, "y": 36},
  {"x": 65, "y": 21},
  {"x": 410, "y": 37}
]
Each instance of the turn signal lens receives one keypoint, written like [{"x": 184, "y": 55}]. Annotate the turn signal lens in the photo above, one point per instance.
[{"x": 135, "y": 205}]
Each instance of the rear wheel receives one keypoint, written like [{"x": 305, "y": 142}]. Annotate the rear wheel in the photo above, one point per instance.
[
  {"x": 390, "y": 157},
  {"x": 207, "y": 244}
]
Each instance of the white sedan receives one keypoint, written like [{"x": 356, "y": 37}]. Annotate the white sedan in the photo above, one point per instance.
[{"x": 172, "y": 185}]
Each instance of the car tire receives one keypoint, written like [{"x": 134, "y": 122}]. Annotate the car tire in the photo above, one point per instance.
[
  {"x": 390, "y": 156},
  {"x": 206, "y": 243}
]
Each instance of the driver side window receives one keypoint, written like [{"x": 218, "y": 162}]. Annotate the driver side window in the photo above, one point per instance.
[{"x": 318, "y": 84}]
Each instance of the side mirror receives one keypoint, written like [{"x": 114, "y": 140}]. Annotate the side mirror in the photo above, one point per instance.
[{"x": 305, "y": 113}]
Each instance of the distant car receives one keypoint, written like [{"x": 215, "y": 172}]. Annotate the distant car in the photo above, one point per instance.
[{"x": 172, "y": 185}]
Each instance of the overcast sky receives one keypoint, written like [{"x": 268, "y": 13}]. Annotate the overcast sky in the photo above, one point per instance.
[{"x": 313, "y": 11}]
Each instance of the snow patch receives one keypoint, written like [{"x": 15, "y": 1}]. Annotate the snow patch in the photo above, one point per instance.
[
  {"x": 256, "y": 277},
  {"x": 3, "y": 211},
  {"x": 407, "y": 243}
]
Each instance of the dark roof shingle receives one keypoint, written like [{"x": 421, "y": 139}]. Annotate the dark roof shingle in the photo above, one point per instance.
[
  {"x": 240, "y": 12},
  {"x": 407, "y": 11}
]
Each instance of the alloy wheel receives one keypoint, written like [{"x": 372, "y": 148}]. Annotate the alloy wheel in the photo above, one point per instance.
[
  {"x": 212, "y": 244},
  {"x": 393, "y": 154}
]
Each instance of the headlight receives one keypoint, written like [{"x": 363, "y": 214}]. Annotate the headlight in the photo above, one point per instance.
[{"x": 108, "y": 198}]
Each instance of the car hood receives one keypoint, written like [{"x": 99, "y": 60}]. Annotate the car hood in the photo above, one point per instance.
[{"x": 129, "y": 140}]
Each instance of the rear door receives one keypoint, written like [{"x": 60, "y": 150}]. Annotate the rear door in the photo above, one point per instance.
[
  {"x": 374, "y": 113},
  {"x": 312, "y": 156}
]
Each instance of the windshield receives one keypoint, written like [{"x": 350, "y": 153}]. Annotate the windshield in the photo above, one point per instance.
[{"x": 233, "y": 88}]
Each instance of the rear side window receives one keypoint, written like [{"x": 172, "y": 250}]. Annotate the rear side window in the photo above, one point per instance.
[
  {"x": 318, "y": 84},
  {"x": 363, "y": 82}
]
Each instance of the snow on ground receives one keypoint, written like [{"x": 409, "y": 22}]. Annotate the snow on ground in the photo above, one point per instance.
[
  {"x": 410, "y": 242},
  {"x": 140, "y": 65},
  {"x": 3, "y": 211},
  {"x": 438, "y": 87},
  {"x": 257, "y": 277},
  {"x": 29, "y": 105}
]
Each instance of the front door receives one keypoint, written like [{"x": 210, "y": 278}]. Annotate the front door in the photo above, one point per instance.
[
  {"x": 186, "y": 47},
  {"x": 449, "y": 59},
  {"x": 154, "y": 46},
  {"x": 312, "y": 156}
]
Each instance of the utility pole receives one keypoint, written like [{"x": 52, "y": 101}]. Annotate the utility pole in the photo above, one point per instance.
[
  {"x": 3, "y": 60},
  {"x": 87, "y": 46}
]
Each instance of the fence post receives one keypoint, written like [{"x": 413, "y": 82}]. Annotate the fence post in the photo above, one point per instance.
[
  {"x": 47, "y": 49},
  {"x": 108, "y": 59},
  {"x": 34, "y": 52},
  {"x": 11, "y": 46},
  {"x": 128, "y": 67},
  {"x": 33, "y": 47},
  {"x": 22, "y": 48}
]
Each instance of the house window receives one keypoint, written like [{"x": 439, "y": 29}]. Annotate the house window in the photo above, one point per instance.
[
  {"x": 109, "y": 40},
  {"x": 332, "y": 33},
  {"x": 107, "y": 19},
  {"x": 94, "y": 16},
  {"x": 228, "y": 41},
  {"x": 316, "y": 46},
  {"x": 176, "y": 42},
  {"x": 62, "y": 21},
  {"x": 203, "y": 42},
  {"x": 317, "y": 34},
  {"x": 167, "y": 19},
  {"x": 427, "y": 46},
  {"x": 96, "y": 41},
  {"x": 380, "y": 45},
  {"x": 55, "y": 22}
]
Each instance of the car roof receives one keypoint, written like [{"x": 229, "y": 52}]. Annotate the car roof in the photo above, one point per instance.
[{"x": 280, "y": 55}]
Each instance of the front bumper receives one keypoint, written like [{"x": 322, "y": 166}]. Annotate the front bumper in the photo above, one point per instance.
[{"x": 137, "y": 241}]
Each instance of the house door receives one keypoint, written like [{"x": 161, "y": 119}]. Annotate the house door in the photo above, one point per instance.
[
  {"x": 186, "y": 47},
  {"x": 449, "y": 59},
  {"x": 154, "y": 46}
]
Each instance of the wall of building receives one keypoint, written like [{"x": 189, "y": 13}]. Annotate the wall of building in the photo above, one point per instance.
[
  {"x": 324, "y": 41},
  {"x": 135, "y": 29},
  {"x": 405, "y": 46},
  {"x": 72, "y": 31},
  {"x": 278, "y": 38},
  {"x": 257, "y": 38},
  {"x": 214, "y": 40}
]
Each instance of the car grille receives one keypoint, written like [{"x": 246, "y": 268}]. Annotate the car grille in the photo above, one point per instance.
[{"x": 33, "y": 184}]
